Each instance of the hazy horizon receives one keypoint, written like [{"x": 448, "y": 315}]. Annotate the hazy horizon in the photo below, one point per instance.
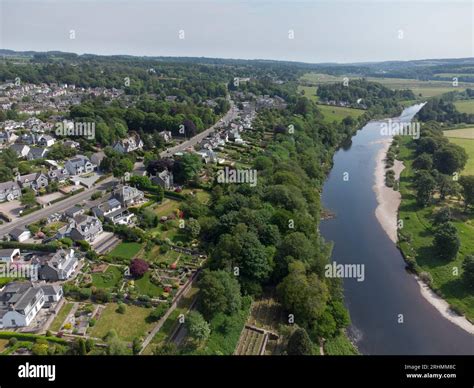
[{"x": 311, "y": 32}]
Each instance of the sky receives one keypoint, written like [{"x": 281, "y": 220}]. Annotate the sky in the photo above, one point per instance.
[{"x": 315, "y": 31}]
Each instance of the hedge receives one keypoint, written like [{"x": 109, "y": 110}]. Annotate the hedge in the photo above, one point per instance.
[
  {"x": 30, "y": 337},
  {"x": 32, "y": 247}
]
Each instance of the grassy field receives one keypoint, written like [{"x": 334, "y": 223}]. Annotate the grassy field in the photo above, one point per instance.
[
  {"x": 128, "y": 326},
  {"x": 465, "y": 138},
  {"x": 338, "y": 113},
  {"x": 422, "y": 89},
  {"x": 58, "y": 321},
  {"x": 309, "y": 91},
  {"x": 108, "y": 279},
  {"x": 126, "y": 250},
  {"x": 465, "y": 106},
  {"x": 166, "y": 207},
  {"x": 145, "y": 287},
  {"x": 417, "y": 225}
]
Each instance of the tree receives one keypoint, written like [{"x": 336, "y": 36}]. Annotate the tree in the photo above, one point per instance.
[
  {"x": 193, "y": 227},
  {"x": 446, "y": 241},
  {"x": 423, "y": 162},
  {"x": 450, "y": 158},
  {"x": 197, "y": 326},
  {"x": 442, "y": 216},
  {"x": 187, "y": 168},
  {"x": 299, "y": 343},
  {"x": 28, "y": 198},
  {"x": 303, "y": 295},
  {"x": 446, "y": 186},
  {"x": 138, "y": 267},
  {"x": 468, "y": 267},
  {"x": 220, "y": 293},
  {"x": 425, "y": 186},
  {"x": 467, "y": 183},
  {"x": 136, "y": 346}
]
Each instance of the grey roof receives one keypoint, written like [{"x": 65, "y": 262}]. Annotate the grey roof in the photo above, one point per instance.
[
  {"x": 50, "y": 289},
  {"x": 27, "y": 298},
  {"x": 10, "y": 185},
  {"x": 73, "y": 210},
  {"x": 7, "y": 252},
  {"x": 15, "y": 233}
]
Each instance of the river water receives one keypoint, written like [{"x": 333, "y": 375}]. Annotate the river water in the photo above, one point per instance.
[{"x": 389, "y": 314}]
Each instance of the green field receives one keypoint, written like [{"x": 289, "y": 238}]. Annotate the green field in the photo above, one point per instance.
[
  {"x": 422, "y": 89},
  {"x": 465, "y": 106},
  {"x": 468, "y": 145},
  {"x": 417, "y": 226},
  {"x": 108, "y": 279},
  {"x": 309, "y": 92},
  {"x": 167, "y": 207},
  {"x": 338, "y": 113},
  {"x": 126, "y": 250},
  {"x": 128, "y": 326},
  {"x": 145, "y": 287}
]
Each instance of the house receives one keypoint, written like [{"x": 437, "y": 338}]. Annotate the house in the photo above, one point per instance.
[
  {"x": 58, "y": 266},
  {"x": 60, "y": 175},
  {"x": 74, "y": 212},
  {"x": 46, "y": 140},
  {"x": 9, "y": 191},
  {"x": 21, "y": 150},
  {"x": 166, "y": 135},
  {"x": 113, "y": 212},
  {"x": 27, "y": 138},
  {"x": 128, "y": 195},
  {"x": 84, "y": 227},
  {"x": 71, "y": 144},
  {"x": 78, "y": 165},
  {"x": 207, "y": 155},
  {"x": 52, "y": 294},
  {"x": 37, "y": 153},
  {"x": 164, "y": 179},
  {"x": 97, "y": 157},
  {"x": 7, "y": 136},
  {"x": 129, "y": 144},
  {"x": 20, "y": 302},
  {"x": 20, "y": 235},
  {"x": 35, "y": 181},
  {"x": 8, "y": 255}
]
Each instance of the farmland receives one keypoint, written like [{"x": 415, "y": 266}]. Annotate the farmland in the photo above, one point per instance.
[
  {"x": 464, "y": 138},
  {"x": 465, "y": 106},
  {"x": 338, "y": 113}
]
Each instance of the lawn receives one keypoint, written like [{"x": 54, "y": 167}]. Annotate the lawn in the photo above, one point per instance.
[
  {"x": 465, "y": 106},
  {"x": 417, "y": 225},
  {"x": 338, "y": 113},
  {"x": 108, "y": 279},
  {"x": 3, "y": 344},
  {"x": 126, "y": 250},
  {"x": 59, "y": 319},
  {"x": 309, "y": 91},
  {"x": 145, "y": 287},
  {"x": 167, "y": 207},
  {"x": 464, "y": 138},
  {"x": 130, "y": 325}
]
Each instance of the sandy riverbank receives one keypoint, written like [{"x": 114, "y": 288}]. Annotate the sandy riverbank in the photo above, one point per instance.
[
  {"x": 387, "y": 213},
  {"x": 387, "y": 198}
]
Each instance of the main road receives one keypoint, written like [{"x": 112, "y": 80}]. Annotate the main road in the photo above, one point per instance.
[{"x": 228, "y": 117}]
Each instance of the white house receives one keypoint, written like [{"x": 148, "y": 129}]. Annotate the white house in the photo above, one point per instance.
[
  {"x": 8, "y": 255},
  {"x": 20, "y": 235}
]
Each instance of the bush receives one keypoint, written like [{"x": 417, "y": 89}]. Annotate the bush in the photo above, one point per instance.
[
  {"x": 158, "y": 312},
  {"x": 138, "y": 267},
  {"x": 426, "y": 277}
]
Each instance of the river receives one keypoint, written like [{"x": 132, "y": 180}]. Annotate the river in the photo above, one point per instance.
[{"x": 389, "y": 315}]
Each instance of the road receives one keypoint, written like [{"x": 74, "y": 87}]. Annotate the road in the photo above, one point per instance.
[
  {"x": 58, "y": 207},
  {"x": 229, "y": 116}
]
